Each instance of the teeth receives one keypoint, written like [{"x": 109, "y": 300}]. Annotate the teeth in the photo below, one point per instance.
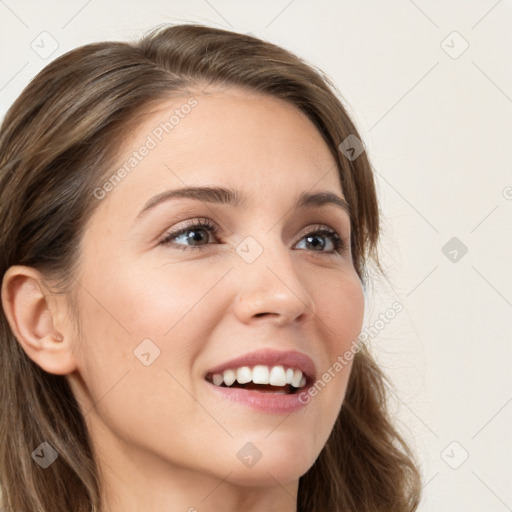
[
  {"x": 297, "y": 377},
  {"x": 218, "y": 379},
  {"x": 277, "y": 376},
  {"x": 243, "y": 375},
  {"x": 229, "y": 377},
  {"x": 261, "y": 374}
]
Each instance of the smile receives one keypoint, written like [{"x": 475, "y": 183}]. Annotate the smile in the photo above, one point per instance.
[{"x": 262, "y": 378}]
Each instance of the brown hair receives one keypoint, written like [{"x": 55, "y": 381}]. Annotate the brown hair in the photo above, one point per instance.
[{"x": 57, "y": 142}]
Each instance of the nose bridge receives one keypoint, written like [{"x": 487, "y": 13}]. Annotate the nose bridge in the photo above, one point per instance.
[{"x": 269, "y": 282}]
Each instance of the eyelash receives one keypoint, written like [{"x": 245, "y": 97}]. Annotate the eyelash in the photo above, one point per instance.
[{"x": 338, "y": 242}]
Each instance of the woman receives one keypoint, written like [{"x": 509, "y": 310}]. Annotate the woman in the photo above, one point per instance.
[{"x": 186, "y": 227}]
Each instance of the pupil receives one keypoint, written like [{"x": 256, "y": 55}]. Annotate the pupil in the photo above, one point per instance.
[
  {"x": 195, "y": 238},
  {"x": 321, "y": 244}
]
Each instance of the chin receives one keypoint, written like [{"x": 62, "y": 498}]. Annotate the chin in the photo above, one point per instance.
[
  {"x": 270, "y": 465},
  {"x": 268, "y": 475}
]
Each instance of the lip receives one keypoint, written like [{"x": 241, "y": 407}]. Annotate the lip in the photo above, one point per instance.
[
  {"x": 270, "y": 357},
  {"x": 267, "y": 402}
]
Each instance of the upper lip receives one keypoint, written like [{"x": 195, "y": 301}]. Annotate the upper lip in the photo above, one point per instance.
[{"x": 271, "y": 357}]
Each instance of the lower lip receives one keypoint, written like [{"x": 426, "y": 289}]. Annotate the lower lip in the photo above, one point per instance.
[{"x": 272, "y": 403}]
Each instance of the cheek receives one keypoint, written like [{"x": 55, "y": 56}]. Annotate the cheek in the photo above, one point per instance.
[
  {"x": 130, "y": 368},
  {"x": 340, "y": 308},
  {"x": 131, "y": 318},
  {"x": 143, "y": 302}
]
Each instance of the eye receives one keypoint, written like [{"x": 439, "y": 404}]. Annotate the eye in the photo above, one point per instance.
[
  {"x": 199, "y": 231},
  {"x": 188, "y": 232},
  {"x": 315, "y": 237}
]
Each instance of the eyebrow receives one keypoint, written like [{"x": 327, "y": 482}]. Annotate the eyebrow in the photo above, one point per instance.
[{"x": 221, "y": 195}]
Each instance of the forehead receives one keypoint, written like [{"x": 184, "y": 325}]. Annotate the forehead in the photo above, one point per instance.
[{"x": 222, "y": 137}]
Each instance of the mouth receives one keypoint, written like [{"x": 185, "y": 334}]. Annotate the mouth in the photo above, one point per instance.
[
  {"x": 277, "y": 379},
  {"x": 267, "y": 381},
  {"x": 265, "y": 371}
]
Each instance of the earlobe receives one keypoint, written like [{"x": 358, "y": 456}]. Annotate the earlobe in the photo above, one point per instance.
[{"x": 33, "y": 313}]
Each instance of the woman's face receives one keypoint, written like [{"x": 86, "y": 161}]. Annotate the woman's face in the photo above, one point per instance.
[{"x": 158, "y": 318}]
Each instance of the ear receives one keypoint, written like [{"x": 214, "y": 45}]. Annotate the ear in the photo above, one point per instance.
[{"x": 37, "y": 319}]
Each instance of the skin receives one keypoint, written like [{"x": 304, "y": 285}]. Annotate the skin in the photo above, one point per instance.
[{"x": 164, "y": 440}]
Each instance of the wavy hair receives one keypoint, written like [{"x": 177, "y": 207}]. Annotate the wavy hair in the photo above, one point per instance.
[{"x": 57, "y": 141}]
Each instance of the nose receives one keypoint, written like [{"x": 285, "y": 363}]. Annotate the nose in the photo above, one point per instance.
[{"x": 270, "y": 289}]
